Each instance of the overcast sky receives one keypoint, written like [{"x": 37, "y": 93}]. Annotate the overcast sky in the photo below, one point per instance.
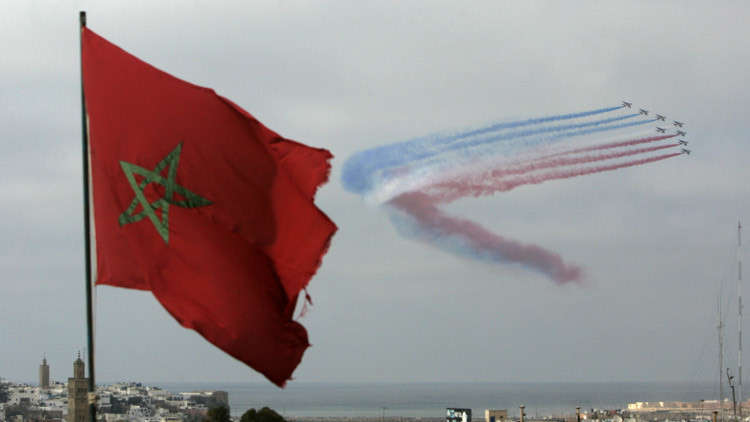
[{"x": 657, "y": 241}]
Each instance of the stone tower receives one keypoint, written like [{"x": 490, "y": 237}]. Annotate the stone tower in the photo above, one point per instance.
[
  {"x": 44, "y": 374},
  {"x": 78, "y": 386}
]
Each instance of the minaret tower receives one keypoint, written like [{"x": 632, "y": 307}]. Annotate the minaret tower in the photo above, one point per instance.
[
  {"x": 78, "y": 403},
  {"x": 44, "y": 374}
]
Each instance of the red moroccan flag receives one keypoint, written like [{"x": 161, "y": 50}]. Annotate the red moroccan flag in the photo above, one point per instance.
[{"x": 198, "y": 202}]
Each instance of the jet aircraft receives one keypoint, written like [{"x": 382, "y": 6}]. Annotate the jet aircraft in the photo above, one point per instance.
[
  {"x": 642, "y": 111},
  {"x": 660, "y": 117},
  {"x": 686, "y": 151},
  {"x": 660, "y": 129},
  {"x": 681, "y": 142},
  {"x": 626, "y": 104},
  {"x": 681, "y": 133},
  {"x": 678, "y": 124}
]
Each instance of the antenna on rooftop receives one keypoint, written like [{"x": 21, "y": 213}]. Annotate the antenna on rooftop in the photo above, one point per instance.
[
  {"x": 721, "y": 362},
  {"x": 739, "y": 312}
]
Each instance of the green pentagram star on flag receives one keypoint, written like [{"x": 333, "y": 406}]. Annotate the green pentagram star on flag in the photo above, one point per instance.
[{"x": 191, "y": 200}]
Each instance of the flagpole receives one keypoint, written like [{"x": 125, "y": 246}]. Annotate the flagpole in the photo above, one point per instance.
[{"x": 87, "y": 233}]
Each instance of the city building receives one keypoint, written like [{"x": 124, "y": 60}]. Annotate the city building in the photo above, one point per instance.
[
  {"x": 495, "y": 415},
  {"x": 44, "y": 374},
  {"x": 453, "y": 414},
  {"x": 78, "y": 404},
  {"x": 120, "y": 402}
]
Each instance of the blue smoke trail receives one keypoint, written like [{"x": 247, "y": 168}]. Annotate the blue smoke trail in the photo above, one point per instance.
[
  {"x": 513, "y": 135},
  {"x": 564, "y": 135},
  {"x": 511, "y": 125}
]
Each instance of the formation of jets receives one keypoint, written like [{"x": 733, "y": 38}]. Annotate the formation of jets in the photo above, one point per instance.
[{"x": 675, "y": 123}]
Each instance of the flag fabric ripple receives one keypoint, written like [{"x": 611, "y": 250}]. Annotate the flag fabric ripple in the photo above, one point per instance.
[{"x": 198, "y": 202}]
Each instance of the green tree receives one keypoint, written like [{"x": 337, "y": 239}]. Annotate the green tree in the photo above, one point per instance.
[
  {"x": 3, "y": 393},
  {"x": 218, "y": 414},
  {"x": 265, "y": 414},
  {"x": 249, "y": 416}
]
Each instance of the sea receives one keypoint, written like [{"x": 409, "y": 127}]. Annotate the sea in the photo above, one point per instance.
[{"x": 429, "y": 400}]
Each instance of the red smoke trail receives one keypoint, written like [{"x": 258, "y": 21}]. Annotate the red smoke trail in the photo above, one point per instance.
[
  {"x": 452, "y": 190},
  {"x": 559, "y": 162},
  {"x": 538, "y": 163},
  {"x": 429, "y": 217},
  {"x": 423, "y": 205},
  {"x": 610, "y": 145}
]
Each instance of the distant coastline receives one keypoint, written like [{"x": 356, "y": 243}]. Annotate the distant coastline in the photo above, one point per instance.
[{"x": 429, "y": 400}]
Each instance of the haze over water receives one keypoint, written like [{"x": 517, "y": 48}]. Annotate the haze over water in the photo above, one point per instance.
[{"x": 431, "y": 399}]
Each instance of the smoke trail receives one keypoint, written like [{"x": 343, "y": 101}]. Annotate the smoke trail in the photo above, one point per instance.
[
  {"x": 468, "y": 148},
  {"x": 539, "y": 120},
  {"x": 363, "y": 171},
  {"x": 437, "y": 139},
  {"x": 610, "y": 145},
  {"x": 534, "y": 165},
  {"x": 602, "y": 129},
  {"x": 462, "y": 236},
  {"x": 545, "y": 129},
  {"x": 358, "y": 169},
  {"x": 419, "y": 174},
  {"x": 451, "y": 190}
]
